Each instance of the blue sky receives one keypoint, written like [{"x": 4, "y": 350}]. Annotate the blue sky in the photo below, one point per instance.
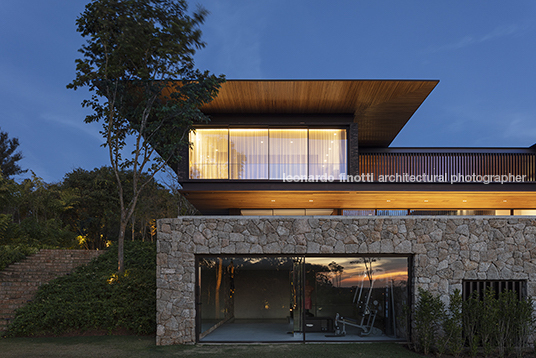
[{"x": 483, "y": 53}]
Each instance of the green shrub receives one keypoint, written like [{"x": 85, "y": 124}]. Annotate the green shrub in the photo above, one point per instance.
[
  {"x": 453, "y": 324},
  {"x": 496, "y": 323},
  {"x": 13, "y": 253},
  {"x": 429, "y": 313},
  {"x": 96, "y": 297}
]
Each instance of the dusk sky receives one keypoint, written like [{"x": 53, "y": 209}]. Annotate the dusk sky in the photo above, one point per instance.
[{"x": 482, "y": 52}]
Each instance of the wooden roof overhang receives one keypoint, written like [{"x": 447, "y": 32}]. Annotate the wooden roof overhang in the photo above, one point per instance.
[
  {"x": 380, "y": 107},
  {"x": 366, "y": 196}
]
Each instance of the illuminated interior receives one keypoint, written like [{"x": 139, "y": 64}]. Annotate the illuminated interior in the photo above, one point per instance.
[
  {"x": 297, "y": 298},
  {"x": 247, "y": 153}
]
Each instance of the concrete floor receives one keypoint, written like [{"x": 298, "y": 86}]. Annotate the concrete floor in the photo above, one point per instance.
[{"x": 280, "y": 331}]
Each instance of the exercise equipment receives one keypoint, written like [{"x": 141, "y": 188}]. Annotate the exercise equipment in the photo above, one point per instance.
[{"x": 368, "y": 312}]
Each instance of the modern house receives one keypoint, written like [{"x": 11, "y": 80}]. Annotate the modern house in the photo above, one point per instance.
[{"x": 314, "y": 229}]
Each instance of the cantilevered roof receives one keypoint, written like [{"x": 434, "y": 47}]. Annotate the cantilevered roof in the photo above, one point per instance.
[{"x": 380, "y": 107}]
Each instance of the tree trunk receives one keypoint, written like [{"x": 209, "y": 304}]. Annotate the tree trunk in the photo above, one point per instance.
[
  {"x": 120, "y": 246},
  {"x": 133, "y": 220}
]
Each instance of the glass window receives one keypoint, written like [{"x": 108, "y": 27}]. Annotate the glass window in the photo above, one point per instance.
[
  {"x": 327, "y": 152},
  {"x": 288, "y": 153},
  {"x": 524, "y": 212},
  {"x": 355, "y": 298},
  {"x": 297, "y": 298},
  {"x": 249, "y": 153},
  {"x": 249, "y": 299},
  {"x": 209, "y": 154}
]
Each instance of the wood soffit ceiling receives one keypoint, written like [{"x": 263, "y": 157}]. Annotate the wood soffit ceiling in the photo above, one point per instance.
[
  {"x": 215, "y": 200},
  {"x": 380, "y": 107}
]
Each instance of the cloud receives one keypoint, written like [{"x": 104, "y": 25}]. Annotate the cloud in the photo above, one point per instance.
[
  {"x": 466, "y": 41},
  {"x": 77, "y": 124}
]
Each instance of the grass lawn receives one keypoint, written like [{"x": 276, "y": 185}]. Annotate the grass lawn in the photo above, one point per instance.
[{"x": 133, "y": 346}]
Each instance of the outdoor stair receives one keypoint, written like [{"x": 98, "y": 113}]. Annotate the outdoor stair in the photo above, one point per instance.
[{"x": 19, "y": 281}]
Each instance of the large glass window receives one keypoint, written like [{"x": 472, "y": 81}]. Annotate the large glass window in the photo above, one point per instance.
[
  {"x": 288, "y": 153},
  {"x": 209, "y": 154},
  {"x": 247, "y": 153},
  {"x": 327, "y": 152},
  {"x": 297, "y": 298}
]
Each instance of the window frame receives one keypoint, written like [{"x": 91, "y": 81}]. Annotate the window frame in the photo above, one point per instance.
[{"x": 343, "y": 166}]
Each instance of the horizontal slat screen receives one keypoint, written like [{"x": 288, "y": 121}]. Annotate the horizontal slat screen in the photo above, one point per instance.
[{"x": 449, "y": 164}]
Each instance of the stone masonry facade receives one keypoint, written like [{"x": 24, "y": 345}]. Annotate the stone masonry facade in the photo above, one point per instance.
[{"x": 445, "y": 250}]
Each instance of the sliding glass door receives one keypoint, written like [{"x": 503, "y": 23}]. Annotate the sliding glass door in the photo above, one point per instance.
[{"x": 298, "y": 298}]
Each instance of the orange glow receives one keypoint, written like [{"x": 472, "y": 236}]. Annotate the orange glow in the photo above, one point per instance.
[{"x": 396, "y": 276}]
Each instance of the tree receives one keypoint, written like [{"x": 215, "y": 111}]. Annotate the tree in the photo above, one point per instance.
[
  {"x": 8, "y": 157},
  {"x": 138, "y": 64},
  {"x": 95, "y": 216}
]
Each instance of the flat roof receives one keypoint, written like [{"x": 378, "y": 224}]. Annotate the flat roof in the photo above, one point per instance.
[{"x": 380, "y": 107}]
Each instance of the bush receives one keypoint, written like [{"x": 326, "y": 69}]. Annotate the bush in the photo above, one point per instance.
[
  {"x": 495, "y": 322},
  {"x": 429, "y": 313},
  {"x": 13, "y": 253},
  {"x": 96, "y": 297}
]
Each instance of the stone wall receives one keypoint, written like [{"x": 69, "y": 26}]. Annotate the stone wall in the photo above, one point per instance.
[
  {"x": 445, "y": 251},
  {"x": 20, "y": 281}
]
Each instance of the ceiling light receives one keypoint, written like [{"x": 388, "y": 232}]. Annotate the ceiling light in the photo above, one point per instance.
[
  {"x": 505, "y": 201},
  {"x": 388, "y": 201},
  {"x": 426, "y": 201},
  {"x": 273, "y": 201},
  {"x": 465, "y": 201},
  {"x": 311, "y": 201}
]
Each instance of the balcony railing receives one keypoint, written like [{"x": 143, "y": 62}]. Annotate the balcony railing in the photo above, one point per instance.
[{"x": 449, "y": 164}]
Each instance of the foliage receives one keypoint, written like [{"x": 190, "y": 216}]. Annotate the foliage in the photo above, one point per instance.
[
  {"x": 472, "y": 317},
  {"x": 96, "y": 297},
  {"x": 31, "y": 213},
  {"x": 138, "y": 64},
  {"x": 83, "y": 206},
  {"x": 453, "y": 324},
  {"x": 10, "y": 254},
  {"x": 429, "y": 312},
  {"x": 8, "y": 157},
  {"x": 95, "y": 218},
  {"x": 499, "y": 322}
]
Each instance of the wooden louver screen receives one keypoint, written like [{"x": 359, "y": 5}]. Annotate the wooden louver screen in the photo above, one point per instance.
[{"x": 449, "y": 164}]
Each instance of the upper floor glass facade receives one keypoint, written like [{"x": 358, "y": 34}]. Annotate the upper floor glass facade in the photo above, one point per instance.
[{"x": 267, "y": 153}]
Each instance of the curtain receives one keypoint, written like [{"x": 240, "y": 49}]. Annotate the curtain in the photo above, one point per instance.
[
  {"x": 209, "y": 154},
  {"x": 248, "y": 153},
  {"x": 288, "y": 152},
  {"x": 327, "y": 152}
]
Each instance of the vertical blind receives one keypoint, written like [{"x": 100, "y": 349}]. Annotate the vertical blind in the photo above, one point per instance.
[{"x": 247, "y": 153}]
